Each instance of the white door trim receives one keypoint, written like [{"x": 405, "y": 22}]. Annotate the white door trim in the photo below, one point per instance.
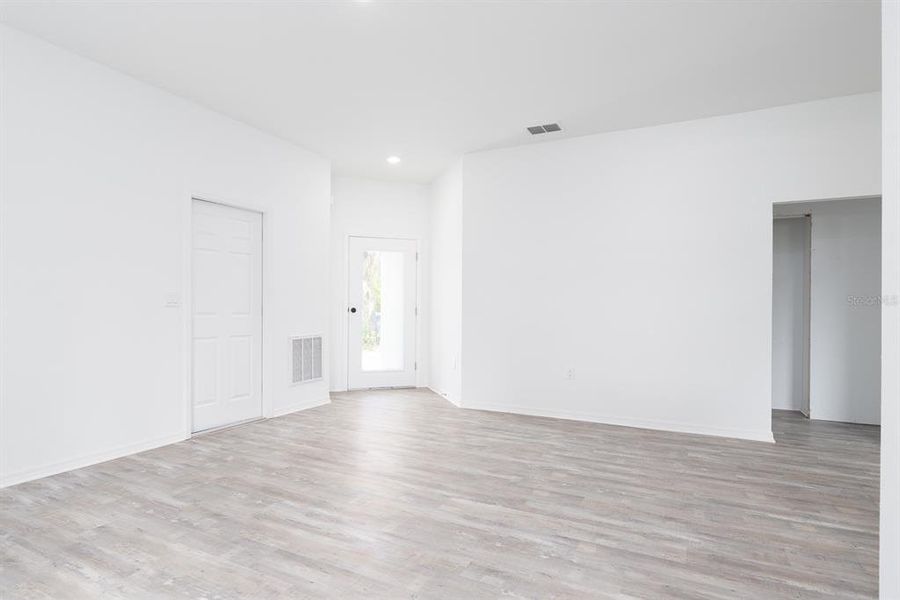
[
  {"x": 345, "y": 329},
  {"x": 187, "y": 302}
]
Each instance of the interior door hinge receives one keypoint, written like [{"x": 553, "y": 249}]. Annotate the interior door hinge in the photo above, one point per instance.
[{"x": 416, "y": 366}]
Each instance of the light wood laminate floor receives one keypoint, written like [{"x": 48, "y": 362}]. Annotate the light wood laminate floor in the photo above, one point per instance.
[{"x": 398, "y": 494}]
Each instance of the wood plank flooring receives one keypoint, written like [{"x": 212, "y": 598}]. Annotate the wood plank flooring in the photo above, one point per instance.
[{"x": 398, "y": 494}]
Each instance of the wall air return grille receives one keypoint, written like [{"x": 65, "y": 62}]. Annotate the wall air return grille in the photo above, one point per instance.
[
  {"x": 548, "y": 128},
  {"x": 306, "y": 358}
]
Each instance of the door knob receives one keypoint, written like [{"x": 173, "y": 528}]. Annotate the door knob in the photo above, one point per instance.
[{"x": 353, "y": 309}]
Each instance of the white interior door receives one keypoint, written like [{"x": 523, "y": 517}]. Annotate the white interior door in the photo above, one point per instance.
[
  {"x": 381, "y": 311},
  {"x": 790, "y": 314},
  {"x": 226, "y": 298}
]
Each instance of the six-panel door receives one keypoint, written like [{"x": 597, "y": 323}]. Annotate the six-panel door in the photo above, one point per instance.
[{"x": 226, "y": 298}]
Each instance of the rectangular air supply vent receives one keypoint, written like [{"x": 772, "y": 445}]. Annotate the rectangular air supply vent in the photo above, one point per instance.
[
  {"x": 548, "y": 128},
  {"x": 306, "y": 358}
]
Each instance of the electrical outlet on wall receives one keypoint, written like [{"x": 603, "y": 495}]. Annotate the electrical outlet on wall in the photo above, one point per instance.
[{"x": 570, "y": 373}]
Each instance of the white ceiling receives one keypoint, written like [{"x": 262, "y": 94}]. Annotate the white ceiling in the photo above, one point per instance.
[{"x": 428, "y": 81}]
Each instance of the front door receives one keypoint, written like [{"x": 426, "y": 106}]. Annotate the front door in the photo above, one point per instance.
[{"x": 381, "y": 311}]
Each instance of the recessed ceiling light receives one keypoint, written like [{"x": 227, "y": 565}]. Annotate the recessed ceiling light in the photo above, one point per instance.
[{"x": 394, "y": 160}]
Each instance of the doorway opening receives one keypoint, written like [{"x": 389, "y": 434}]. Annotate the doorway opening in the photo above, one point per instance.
[{"x": 826, "y": 309}]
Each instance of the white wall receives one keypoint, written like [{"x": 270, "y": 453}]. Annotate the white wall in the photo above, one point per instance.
[
  {"x": 96, "y": 175},
  {"x": 370, "y": 208},
  {"x": 890, "y": 319},
  {"x": 446, "y": 286},
  {"x": 642, "y": 261},
  {"x": 845, "y": 348},
  {"x": 789, "y": 313},
  {"x": 845, "y": 312}
]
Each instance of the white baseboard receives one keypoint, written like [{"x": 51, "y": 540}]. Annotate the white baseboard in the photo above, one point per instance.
[
  {"x": 742, "y": 434},
  {"x": 88, "y": 459},
  {"x": 118, "y": 452},
  {"x": 444, "y": 396},
  {"x": 286, "y": 410}
]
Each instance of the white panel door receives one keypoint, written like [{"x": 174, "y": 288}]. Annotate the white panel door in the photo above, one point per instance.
[
  {"x": 226, "y": 298},
  {"x": 381, "y": 310}
]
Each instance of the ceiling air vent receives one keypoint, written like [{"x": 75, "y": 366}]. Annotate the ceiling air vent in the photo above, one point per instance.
[
  {"x": 548, "y": 128},
  {"x": 306, "y": 358}
]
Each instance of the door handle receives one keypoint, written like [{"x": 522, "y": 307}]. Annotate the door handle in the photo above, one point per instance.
[{"x": 353, "y": 309}]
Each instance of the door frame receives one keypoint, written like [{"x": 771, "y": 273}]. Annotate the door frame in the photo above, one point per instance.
[
  {"x": 807, "y": 313},
  {"x": 187, "y": 302},
  {"x": 345, "y": 299}
]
